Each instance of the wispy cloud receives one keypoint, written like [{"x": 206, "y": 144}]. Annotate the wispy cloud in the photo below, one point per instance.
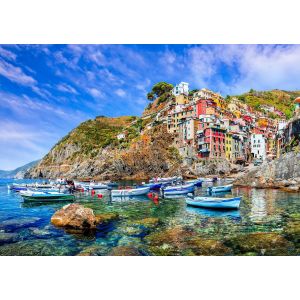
[
  {"x": 15, "y": 74},
  {"x": 63, "y": 87},
  {"x": 96, "y": 93},
  {"x": 120, "y": 93},
  {"x": 7, "y": 54}
]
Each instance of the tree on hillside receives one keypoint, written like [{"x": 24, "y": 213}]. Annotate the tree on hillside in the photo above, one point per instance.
[
  {"x": 227, "y": 98},
  {"x": 192, "y": 92},
  {"x": 161, "y": 87},
  {"x": 150, "y": 96}
]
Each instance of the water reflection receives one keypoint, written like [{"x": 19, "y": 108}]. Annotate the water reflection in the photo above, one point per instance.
[{"x": 212, "y": 212}]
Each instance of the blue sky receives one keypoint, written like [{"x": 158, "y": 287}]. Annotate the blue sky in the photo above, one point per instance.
[{"x": 47, "y": 90}]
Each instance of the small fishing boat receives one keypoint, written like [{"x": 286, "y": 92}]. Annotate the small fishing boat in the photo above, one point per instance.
[
  {"x": 98, "y": 186},
  {"x": 196, "y": 182},
  {"x": 214, "y": 202},
  {"x": 178, "y": 189},
  {"x": 46, "y": 196},
  {"x": 219, "y": 189},
  {"x": 153, "y": 186},
  {"x": 130, "y": 192},
  {"x": 165, "y": 179}
]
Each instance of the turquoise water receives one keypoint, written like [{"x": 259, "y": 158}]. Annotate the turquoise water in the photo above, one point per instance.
[{"x": 266, "y": 224}]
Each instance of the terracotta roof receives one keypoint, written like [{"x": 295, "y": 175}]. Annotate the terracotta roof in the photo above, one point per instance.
[{"x": 297, "y": 100}]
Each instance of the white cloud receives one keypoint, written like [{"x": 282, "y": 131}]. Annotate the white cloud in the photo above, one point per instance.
[
  {"x": 63, "y": 87},
  {"x": 7, "y": 54},
  {"x": 120, "y": 93},
  {"x": 260, "y": 67},
  {"x": 15, "y": 74},
  {"x": 96, "y": 93}
]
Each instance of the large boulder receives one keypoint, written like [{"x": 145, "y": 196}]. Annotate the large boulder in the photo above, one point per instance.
[{"x": 75, "y": 216}]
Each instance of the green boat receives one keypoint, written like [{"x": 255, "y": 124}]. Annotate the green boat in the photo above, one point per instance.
[{"x": 46, "y": 196}]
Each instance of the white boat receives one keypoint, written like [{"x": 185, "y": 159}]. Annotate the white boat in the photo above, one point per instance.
[
  {"x": 165, "y": 179},
  {"x": 178, "y": 189},
  {"x": 46, "y": 196},
  {"x": 98, "y": 186},
  {"x": 207, "y": 179},
  {"x": 219, "y": 189},
  {"x": 214, "y": 202},
  {"x": 130, "y": 192}
]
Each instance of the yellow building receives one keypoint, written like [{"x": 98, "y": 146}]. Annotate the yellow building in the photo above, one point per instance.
[
  {"x": 219, "y": 101},
  {"x": 237, "y": 113},
  {"x": 228, "y": 146},
  {"x": 181, "y": 99}
]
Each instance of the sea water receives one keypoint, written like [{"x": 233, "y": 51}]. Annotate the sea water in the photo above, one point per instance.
[{"x": 267, "y": 223}]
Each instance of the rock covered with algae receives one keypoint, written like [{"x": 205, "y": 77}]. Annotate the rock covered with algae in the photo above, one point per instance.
[
  {"x": 260, "y": 243},
  {"x": 182, "y": 241}
]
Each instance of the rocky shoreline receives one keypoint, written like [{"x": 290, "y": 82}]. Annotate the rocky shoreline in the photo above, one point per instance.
[{"x": 282, "y": 173}]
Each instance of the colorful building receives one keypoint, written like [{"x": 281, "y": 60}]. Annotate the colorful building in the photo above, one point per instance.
[
  {"x": 211, "y": 141},
  {"x": 258, "y": 146}
]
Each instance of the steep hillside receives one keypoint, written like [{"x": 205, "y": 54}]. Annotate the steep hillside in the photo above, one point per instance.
[
  {"x": 281, "y": 100},
  {"x": 92, "y": 150}
]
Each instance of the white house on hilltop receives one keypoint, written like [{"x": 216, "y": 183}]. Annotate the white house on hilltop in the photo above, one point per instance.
[{"x": 181, "y": 88}]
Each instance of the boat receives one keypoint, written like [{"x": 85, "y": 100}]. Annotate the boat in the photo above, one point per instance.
[
  {"x": 220, "y": 188},
  {"x": 178, "y": 189},
  {"x": 165, "y": 179},
  {"x": 46, "y": 196},
  {"x": 196, "y": 182},
  {"x": 153, "y": 186},
  {"x": 130, "y": 192},
  {"x": 214, "y": 202},
  {"x": 98, "y": 186}
]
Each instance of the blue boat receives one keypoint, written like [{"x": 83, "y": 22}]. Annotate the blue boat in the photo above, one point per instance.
[
  {"x": 153, "y": 186},
  {"x": 219, "y": 189},
  {"x": 178, "y": 189},
  {"x": 214, "y": 202},
  {"x": 196, "y": 182}
]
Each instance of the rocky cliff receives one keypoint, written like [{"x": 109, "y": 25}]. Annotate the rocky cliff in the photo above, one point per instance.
[
  {"x": 283, "y": 172},
  {"x": 92, "y": 150}
]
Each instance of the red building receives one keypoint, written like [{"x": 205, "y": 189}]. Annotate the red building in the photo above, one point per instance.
[
  {"x": 248, "y": 119},
  {"x": 205, "y": 106},
  {"x": 211, "y": 142}
]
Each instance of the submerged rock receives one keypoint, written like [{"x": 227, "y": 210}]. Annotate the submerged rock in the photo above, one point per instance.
[
  {"x": 7, "y": 237},
  {"x": 180, "y": 241},
  {"x": 125, "y": 251},
  {"x": 148, "y": 222},
  {"x": 261, "y": 243},
  {"x": 292, "y": 231},
  {"x": 106, "y": 217},
  {"x": 18, "y": 223},
  {"x": 94, "y": 250},
  {"x": 75, "y": 216},
  {"x": 36, "y": 248}
]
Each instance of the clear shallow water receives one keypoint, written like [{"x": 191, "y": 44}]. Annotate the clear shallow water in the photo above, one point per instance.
[{"x": 266, "y": 224}]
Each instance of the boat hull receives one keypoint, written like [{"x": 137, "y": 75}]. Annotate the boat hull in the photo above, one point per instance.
[
  {"x": 215, "y": 203},
  {"x": 130, "y": 192},
  {"x": 219, "y": 189},
  {"x": 48, "y": 199},
  {"x": 179, "y": 190}
]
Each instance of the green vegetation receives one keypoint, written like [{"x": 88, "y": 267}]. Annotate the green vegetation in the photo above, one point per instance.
[
  {"x": 90, "y": 136},
  {"x": 161, "y": 88},
  {"x": 281, "y": 100}
]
